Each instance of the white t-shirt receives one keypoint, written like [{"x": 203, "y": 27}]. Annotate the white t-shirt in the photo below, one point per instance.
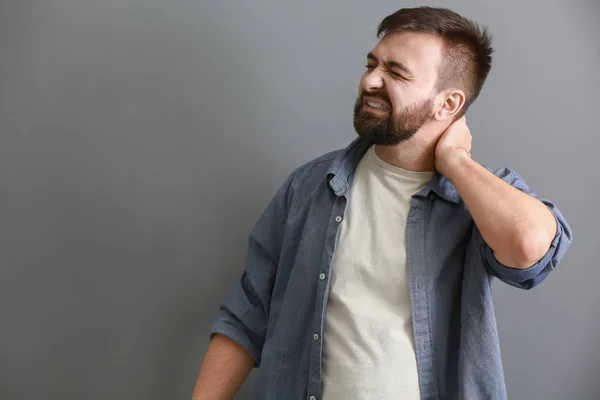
[{"x": 368, "y": 351}]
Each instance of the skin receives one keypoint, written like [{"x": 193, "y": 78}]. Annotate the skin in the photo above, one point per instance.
[
  {"x": 518, "y": 227},
  {"x": 224, "y": 370}
]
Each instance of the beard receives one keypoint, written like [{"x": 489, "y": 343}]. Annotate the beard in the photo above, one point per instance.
[{"x": 395, "y": 128}]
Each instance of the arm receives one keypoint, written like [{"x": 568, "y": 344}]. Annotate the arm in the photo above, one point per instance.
[
  {"x": 518, "y": 227},
  {"x": 224, "y": 370},
  {"x": 238, "y": 334}
]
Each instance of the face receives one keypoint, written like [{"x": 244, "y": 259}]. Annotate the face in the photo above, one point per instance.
[{"x": 397, "y": 91}]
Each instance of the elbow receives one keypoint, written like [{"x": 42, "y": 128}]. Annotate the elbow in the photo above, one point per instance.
[{"x": 529, "y": 248}]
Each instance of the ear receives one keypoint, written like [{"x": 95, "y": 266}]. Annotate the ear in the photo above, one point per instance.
[{"x": 450, "y": 103}]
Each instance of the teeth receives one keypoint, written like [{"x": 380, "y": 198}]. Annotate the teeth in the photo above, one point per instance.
[{"x": 378, "y": 106}]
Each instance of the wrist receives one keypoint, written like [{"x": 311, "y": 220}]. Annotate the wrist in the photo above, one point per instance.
[{"x": 453, "y": 162}]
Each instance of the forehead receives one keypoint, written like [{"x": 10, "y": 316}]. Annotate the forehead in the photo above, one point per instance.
[{"x": 420, "y": 52}]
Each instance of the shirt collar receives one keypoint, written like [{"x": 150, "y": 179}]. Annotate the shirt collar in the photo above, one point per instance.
[{"x": 341, "y": 173}]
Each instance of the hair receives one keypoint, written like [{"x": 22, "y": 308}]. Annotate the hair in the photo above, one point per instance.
[{"x": 467, "y": 52}]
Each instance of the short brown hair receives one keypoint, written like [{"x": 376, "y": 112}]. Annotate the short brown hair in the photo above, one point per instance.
[{"x": 467, "y": 57}]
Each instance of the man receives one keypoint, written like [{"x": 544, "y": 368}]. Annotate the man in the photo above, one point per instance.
[{"x": 368, "y": 274}]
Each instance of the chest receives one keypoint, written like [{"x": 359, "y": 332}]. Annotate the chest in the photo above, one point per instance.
[{"x": 429, "y": 234}]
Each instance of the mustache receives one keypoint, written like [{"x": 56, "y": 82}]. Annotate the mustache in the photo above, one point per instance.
[{"x": 379, "y": 95}]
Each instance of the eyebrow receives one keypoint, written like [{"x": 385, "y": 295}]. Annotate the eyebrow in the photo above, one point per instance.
[{"x": 392, "y": 64}]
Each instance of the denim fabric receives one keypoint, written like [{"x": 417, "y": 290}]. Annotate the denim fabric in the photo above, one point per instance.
[{"x": 279, "y": 303}]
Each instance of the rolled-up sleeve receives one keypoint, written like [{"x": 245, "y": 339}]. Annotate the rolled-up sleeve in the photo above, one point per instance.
[
  {"x": 534, "y": 275},
  {"x": 245, "y": 310}
]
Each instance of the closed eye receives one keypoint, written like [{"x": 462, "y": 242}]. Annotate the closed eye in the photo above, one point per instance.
[
  {"x": 397, "y": 75},
  {"x": 370, "y": 67}
]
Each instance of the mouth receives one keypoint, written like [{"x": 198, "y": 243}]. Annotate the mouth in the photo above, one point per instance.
[{"x": 376, "y": 105}]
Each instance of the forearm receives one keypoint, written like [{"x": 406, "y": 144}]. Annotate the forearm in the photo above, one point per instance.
[
  {"x": 518, "y": 227},
  {"x": 224, "y": 370}
]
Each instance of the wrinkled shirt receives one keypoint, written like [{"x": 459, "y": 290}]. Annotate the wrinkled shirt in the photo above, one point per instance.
[{"x": 276, "y": 310}]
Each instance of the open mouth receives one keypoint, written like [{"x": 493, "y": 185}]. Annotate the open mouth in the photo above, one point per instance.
[{"x": 377, "y": 105}]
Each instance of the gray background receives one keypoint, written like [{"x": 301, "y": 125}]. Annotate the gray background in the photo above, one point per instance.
[{"x": 140, "y": 141}]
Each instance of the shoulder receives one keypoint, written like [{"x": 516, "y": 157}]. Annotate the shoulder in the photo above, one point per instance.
[
  {"x": 510, "y": 176},
  {"x": 310, "y": 174},
  {"x": 305, "y": 179}
]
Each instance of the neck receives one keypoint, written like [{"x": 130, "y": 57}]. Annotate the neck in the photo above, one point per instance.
[{"x": 416, "y": 154}]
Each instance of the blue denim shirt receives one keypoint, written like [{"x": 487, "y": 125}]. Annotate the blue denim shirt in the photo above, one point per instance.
[{"x": 280, "y": 301}]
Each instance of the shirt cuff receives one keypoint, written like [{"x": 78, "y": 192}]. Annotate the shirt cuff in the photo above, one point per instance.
[{"x": 227, "y": 327}]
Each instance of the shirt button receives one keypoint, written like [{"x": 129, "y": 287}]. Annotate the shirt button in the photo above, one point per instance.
[
  {"x": 322, "y": 276},
  {"x": 316, "y": 336},
  {"x": 432, "y": 196},
  {"x": 338, "y": 219},
  {"x": 312, "y": 398}
]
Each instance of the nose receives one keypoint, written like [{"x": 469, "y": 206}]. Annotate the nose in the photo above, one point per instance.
[{"x": 373, "y": 80}]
